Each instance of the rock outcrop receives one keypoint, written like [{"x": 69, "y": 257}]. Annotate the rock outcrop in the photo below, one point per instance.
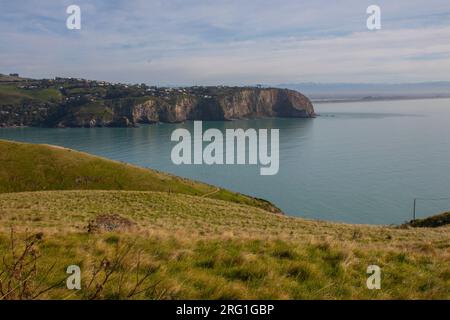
[
  {"x": 217, "y": 103},
  {"x": 243, "y": 103}
]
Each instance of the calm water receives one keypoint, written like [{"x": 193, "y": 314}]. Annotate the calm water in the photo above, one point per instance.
[{"x": 359, "y": 162}]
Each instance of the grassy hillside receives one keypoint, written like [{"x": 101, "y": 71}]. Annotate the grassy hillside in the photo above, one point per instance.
[
  {"x": 435, "y": 221},
  {"x": 163, "y": 237},
  {"x": 191, "y": 247},
  {"x": 10, "y": 94},
  {"x": 29, "y": 167}
]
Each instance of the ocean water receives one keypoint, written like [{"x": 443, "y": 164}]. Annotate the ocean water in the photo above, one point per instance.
[{"x": 359, "y": 162}]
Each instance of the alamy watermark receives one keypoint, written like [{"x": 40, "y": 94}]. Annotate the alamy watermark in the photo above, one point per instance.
[
  {"x": 374, "y": 20},
  {"x": 73, "y": 281},
  {"x": 240, "y": 147},
  {"x": 374, "y": 280},
  {"x": 73, "y": 21}
]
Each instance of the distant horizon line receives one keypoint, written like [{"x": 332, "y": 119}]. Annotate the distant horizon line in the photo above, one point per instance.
[{"x": 318, "y": 83}]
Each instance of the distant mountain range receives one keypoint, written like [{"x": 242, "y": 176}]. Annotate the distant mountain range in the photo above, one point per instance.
[{"x": 370, "y": 91}]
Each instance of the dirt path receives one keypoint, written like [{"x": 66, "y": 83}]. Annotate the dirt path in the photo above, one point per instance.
[{"x": 210, "y": 193}]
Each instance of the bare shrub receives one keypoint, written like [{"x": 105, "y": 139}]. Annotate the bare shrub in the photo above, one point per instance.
[{"x": 21, "y": 278}]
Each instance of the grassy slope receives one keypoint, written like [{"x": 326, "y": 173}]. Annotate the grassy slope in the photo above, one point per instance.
[
  {"x": 197, "y": 247},
  {"x": 432, "y": 222},
  {"x": 28, "y": 167},
  {"x": 206, "y": 248},
  {"x": 10, "y": 94}
]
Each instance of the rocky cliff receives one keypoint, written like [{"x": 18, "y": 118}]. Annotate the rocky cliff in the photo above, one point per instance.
[
  {"x": 87, "y": 105},
  {"x": 244, "y": 103}
]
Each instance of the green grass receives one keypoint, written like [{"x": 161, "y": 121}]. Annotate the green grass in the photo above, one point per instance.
[
  {"x": 180, "y": 239},
  {"x": 28, "y": 167},
  {"x": 10, "y": 94},
  {"x": 201, "y": 248}
]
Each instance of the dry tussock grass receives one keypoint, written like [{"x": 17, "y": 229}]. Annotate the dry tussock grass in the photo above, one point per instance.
[{"x": 212, "y": 249}]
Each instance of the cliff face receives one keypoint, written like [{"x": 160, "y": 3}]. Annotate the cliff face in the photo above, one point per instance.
[
  {"x": 239, "y": 104},
  {"x": 216, "y": 104},
  {"x": 259, "y": 103}
]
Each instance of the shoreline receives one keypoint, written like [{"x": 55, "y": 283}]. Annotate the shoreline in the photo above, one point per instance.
[{"x": 348, "y": 100}]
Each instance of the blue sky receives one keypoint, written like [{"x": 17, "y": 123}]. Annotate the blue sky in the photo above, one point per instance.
[{"x": 227, "y": 42}]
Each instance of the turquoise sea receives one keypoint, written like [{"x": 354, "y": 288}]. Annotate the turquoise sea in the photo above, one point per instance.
[{"x": 359, "y": 162}]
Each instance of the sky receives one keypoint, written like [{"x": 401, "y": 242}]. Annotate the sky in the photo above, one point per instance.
[{"x": 229, "y": 42}]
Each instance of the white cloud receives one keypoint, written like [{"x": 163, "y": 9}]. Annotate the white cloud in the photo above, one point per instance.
[{"x": 233, "y": 42}]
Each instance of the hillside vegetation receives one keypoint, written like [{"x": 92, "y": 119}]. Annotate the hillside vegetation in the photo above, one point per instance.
[
  {"x": 70, "y": 102},
  {"x": 30, "y": 167},
  {"x": 155, "y": 244},
  {"x": 11, "y": 95},
  {"x": 192, "y": 247},
  {"x": 435, "y": 221}
]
